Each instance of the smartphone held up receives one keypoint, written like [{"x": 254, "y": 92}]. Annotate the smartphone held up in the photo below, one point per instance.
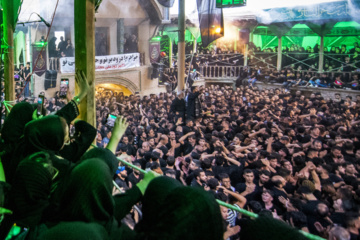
[
  {"x": 64, "y": 87},
  {"x": 110, "y": 120},
  {"x": 40, "y": 105}
]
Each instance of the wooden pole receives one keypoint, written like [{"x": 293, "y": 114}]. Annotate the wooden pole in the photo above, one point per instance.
[
  {"x": 9, "y": 26},
  {"x": 246, "y": 53},
  {"x": 195, "y": 46},
  {"x": 279, "y": 58},
  {"x": 85, "y": 54},
  {"x": 321, "y": 55},
  {"x": 181, "y": 46}
]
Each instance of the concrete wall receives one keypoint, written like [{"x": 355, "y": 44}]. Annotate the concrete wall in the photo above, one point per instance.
[
  {"x": 126, "y": 9},
  {"x": 135, "y": 79}
]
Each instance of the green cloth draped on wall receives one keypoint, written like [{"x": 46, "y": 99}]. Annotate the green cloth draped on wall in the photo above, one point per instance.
[
  {"x": 16, "y": 4},
  {"x": 321, "y": 29}
]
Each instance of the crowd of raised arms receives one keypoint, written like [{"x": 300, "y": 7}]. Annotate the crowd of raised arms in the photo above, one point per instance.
[
  {"x": 288, "y": 158},
  {"x": 266, "y": 150}
]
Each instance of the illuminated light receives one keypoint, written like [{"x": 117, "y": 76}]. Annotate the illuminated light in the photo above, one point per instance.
[
  {"x": 40, "y": 44},
  {"x": 218, "y": 30},
  {"x": 157, "y": 39},
  {"x": 230, "y": 3}
]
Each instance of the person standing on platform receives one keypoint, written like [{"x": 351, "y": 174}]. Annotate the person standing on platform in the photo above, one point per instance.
[
  {"x": 193, "y": 103},
  {"x": 178, "y": 107},
  {"x": 27, "y": 76}
]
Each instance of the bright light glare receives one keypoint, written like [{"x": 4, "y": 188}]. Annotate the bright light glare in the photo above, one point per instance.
[{"x": 252, "y": 6}]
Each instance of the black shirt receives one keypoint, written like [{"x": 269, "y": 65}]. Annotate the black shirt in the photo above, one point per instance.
[
  {"x": 122, "y": 183},
  {"x": 255, "y": 195},
  {"x": 26, "y": 73},
  {"x": 310, "y": 207},
  {"x": 134, "y": 180},
  {"x": 187, "y": 148}
]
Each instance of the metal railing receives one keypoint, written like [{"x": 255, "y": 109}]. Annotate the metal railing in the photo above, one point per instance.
[
  {"x": 263, "y": 59},
  {"x": 331, "y": 74},
  {"x": 332, "y": 61},
  {"x": 220, "y": 71},
  {"x": 309, "y": 60}
]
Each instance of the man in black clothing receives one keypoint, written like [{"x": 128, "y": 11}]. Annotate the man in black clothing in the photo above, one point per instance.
[
  {"x": 352, "y": 225},
  {"x": 120, "y": 179},
  {"x": 199, "y": 178},
  {"x": 27, "y": 76},
  {"x": 172, "y": 139},
  {"x": 193, "y": 104},
  {"x": 62, "y": 45},
  {"x": 162, "y": 145},
  {"x": 178, "y": 107},
  {"x": 170, "y": 166},
  {"x": 130, "y": 149},
  {"x": 135, "y": 177}
]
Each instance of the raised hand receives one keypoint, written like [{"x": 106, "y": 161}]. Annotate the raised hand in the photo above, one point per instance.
[
  {"x": 120, "y": 127},
  {"x": 83, "y": 84}
]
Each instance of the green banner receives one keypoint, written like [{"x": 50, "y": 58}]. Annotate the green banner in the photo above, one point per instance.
[
  {"x": 17, "y": 5},
  {"x": 230, "y": 3},
  {"x": 166, "y": 50},
  {"x": 306, "y": 31}
]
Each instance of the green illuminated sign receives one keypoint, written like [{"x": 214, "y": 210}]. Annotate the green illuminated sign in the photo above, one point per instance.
[
  {"x": 40, "y": 44},
  {"x": 230, "y": 3}
]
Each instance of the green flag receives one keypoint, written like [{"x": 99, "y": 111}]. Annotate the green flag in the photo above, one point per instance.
[{"x": 17, "y": 5}]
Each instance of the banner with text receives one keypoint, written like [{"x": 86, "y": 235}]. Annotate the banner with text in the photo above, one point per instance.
[{"x": 102, "y": 63}]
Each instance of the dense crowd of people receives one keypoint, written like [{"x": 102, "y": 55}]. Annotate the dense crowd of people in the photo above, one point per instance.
[
  {"x": 290, "y": 77},
  {"x": 294, "y": 160},
  {"x": 292, "y": 157},
  {"x": 53, "y": 187}
]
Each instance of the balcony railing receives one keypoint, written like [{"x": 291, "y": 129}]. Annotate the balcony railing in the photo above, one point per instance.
[{"x": 220, "y": 71}]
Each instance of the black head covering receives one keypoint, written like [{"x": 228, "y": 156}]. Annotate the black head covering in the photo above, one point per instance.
[
  {"x": 269, "y": 228},
  {"x": 15, "y": 122},
  {"x": 87, "y": 197},
  {"x": 104, "y": 154},
  {"x": 11, "y": 132},
  {"x": 30, "y": 190},
  {"x": 45, "y": 134},
  {"x": 155, "y": 196},
  {"x": 185, "y": 213},
  {"x": 75, "y": 231}
]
